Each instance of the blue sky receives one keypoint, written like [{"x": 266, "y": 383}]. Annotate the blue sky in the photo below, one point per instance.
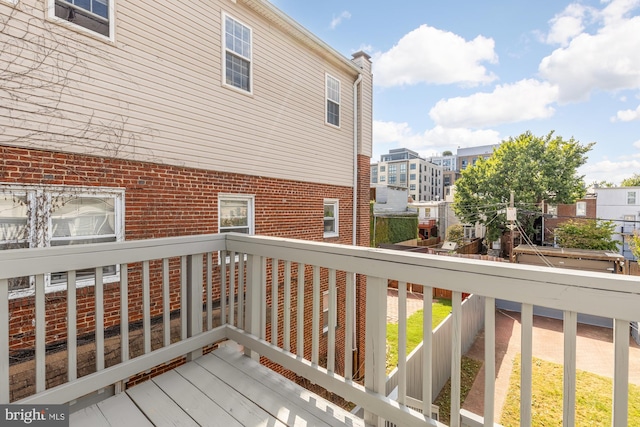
[{"x": 463, "y": 73}]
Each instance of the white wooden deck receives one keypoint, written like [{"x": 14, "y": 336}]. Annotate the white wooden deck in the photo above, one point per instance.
[{"x": 223, "y": 388}]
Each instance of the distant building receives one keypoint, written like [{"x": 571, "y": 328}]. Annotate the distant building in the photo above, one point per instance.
[
  {"x": 467, "y": 157},
  {"x": 621, "y": 205},
  {"x": 404, "y": 168}
]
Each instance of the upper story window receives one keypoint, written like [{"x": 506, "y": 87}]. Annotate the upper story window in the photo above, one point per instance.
[
  {"x": 58, "y": 216},
  {"x": 333, "y": 100},
  {"x": 392, "y": 169},
  {"x": 236, "y": 213},
  {"x": 412, "y": 166},
  {"x": 331, "y": 218},
  {"x": 93, "y": 15},
  {"x": 382, "y": 168},
  {"x": 403, "y": 168},
  {"x": 631, "y": 197},
  {"x": 237, "y": 54},
  {"x": 581, "y": 208},
  {"x": 553, "y": 210},
  {"x": 412, "y": 177}
]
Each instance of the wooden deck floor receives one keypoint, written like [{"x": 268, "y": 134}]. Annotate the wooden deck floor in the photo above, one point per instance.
[{"x": 223, "y": 388}]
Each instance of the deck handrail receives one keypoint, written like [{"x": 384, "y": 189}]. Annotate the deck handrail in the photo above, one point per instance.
[{"x": 263, "y": 266}]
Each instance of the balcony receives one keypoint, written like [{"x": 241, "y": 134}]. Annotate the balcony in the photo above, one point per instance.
[{"x": 183, "y": 296}]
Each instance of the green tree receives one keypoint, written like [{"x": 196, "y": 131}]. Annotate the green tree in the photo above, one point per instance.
[
  {"x": 603, "y": 184},
  {"x": 447, "y": 153},
  {"x": 534, "y": 168},
  {"x": 634, "y": 245},
  {"x": 633, "y": 181},
  {"x": 587, "y": 234}
]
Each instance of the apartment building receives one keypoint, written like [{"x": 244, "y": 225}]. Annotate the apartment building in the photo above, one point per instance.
[{"x": 404, "y": 168}]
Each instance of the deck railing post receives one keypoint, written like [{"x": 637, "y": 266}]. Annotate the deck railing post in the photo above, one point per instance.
[
  {"x": 253, "y": 299},
  {"x": 375, "y": 340},
  {"x": 195, "y": 312}
]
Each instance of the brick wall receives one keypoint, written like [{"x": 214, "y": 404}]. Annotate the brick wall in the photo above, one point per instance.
[
  {"x": 567, "y": 212},
  {"x": 164, "y": 201}
]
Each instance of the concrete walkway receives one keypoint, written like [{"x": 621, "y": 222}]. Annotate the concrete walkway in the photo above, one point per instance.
[{"x": 594, "y": 354}]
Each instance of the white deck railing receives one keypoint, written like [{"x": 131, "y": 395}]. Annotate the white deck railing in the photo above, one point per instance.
[{"x": 282, "y": 279}]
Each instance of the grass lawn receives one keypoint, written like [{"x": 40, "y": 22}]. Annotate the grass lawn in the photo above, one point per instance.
[
  {"x": 470, "y": 369},
  {"x": 441, "y": 309},
  {"x": 593, "y": 397}
]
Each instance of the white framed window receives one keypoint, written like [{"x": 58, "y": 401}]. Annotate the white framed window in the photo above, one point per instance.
[
  {"x": 237, "y": 55},
  {"x": 325, "y": 313},
  {"x": 32, "y": 216},
  {"x": 631, "y": 197},
  {"x": 92, "y": 16},
  {"x": 331, "y": 218},
  {"x": 552, "y": 210},
  {"x": 581, "y": 208},
  {"x": 333, "y": 100},
  {"x": 236, "y": 213}
]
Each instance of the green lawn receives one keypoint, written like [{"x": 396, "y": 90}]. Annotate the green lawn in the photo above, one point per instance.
[
  {"x": 441, "y": 309},
  {"x": 593, "y": 397}
]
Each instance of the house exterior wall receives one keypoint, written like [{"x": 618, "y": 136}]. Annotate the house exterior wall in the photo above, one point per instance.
[
  {"x": 148, "y": 113},
  {"x": 156, "y": 92},
  {"x": 564, "y": 213},
  {"x": 621, "y": 205}
]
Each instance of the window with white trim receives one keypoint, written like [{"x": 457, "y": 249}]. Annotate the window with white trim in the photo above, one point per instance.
[
  {"x": 581, "y": 208},
  {"x": 331, "y": 218},
  {"x": 93, "y": 15},
  {"x": 325, "y": 313},
  {"x": 58, "y": 216},
  {"x": 236, "y": 213},
  {"x": 552, "y": 210},
  {"x": 237, "y": 54},
  {"x": 631, "y": 197},
  {"x": 333, "y": 100}
]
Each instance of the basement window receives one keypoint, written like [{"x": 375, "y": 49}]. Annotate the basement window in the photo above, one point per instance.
[{"x": 32, "y": 217}]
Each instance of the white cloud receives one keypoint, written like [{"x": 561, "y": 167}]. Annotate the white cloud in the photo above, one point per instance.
[
  {"x": 524, "y": 100},
  {"x": 400, "y": 135},
  {"x": 610, "y": 171},
  {"x": 337, "y": 20},
  {"x": 627, "y": 115},
  {"x": 607, "y": 60},
  {"x": 566, "y": 25},
  {"x": 430, "y": 55}
]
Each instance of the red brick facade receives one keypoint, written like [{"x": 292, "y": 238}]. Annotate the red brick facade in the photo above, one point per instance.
[
  {"x": 164, "y": 201},
  {"x": 566, "y": 212}
]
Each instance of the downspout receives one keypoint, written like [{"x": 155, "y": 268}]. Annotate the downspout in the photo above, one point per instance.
[
  {"x": 354, "y": 219},
  {"x": 355, "y": 159}
]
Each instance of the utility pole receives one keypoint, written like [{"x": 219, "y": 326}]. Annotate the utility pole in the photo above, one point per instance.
[{"x": 511, "y": 217}]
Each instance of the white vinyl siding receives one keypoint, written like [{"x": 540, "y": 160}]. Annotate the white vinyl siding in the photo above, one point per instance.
[{"x": 160, "y": 90}]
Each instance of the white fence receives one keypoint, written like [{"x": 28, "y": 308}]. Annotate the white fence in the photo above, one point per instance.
[{"x": 472, "y": 323}]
